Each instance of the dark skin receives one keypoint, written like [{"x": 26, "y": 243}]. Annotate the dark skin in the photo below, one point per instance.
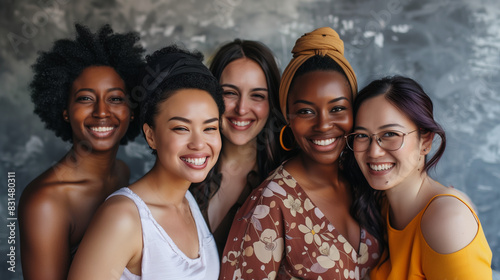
[
  {"x": 320, "y": 114},
  {"x": 56, "y": 207}
]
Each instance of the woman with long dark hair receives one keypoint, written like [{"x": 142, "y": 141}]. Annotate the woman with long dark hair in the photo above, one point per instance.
[{"x": 249, "y": 76}]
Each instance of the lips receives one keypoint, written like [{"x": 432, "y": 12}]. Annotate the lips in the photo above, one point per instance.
[
  {"x": 102, "y": 131},
  {"x": 380, "y": 166},
  {"x": 195, "y": 162},
  {"x": 239, "y": 124},
  {"x": 324, "y": 142}
]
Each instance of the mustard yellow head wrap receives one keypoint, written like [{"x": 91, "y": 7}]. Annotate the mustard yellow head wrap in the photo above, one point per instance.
[{"x": 322, "y": 41}]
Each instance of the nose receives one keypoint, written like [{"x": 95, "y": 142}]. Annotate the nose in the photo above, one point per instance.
[
  {"x": 196, "y": 141},
  {"x": 101, "y": 109},
  {"x": 324, "y": 122},
  {"x": 242, "y": 106},
  {"x": 374, "y": 150}
]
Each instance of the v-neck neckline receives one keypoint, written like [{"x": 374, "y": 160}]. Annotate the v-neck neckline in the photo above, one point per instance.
[{"x": 362, "y": 231}]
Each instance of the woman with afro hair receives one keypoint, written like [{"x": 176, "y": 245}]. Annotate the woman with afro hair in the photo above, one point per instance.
[{"x": 82, "y": 90}]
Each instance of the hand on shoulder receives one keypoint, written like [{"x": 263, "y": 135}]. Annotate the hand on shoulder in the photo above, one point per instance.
[{"x": 448, "y": 225}]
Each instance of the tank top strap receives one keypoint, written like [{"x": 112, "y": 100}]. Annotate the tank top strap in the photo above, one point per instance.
[{"x": 141, "y": 205}]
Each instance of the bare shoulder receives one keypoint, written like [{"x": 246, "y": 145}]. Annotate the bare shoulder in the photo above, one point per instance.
[
  {"x": 116, "y": 223},
  {"x": 45, "y": 196},
  {"x": 118, "y": 211},
  {"x": 112, "y": 241},
  {"x": 448, "y": 225}
]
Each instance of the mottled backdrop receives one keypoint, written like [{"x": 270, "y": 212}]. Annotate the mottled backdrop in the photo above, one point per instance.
[{"x": 450, "y": 46}]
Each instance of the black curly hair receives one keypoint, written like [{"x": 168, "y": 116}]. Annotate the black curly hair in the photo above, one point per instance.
[
  {"x": 56, "y": 70},
  {"x": 159, "y": 85}
]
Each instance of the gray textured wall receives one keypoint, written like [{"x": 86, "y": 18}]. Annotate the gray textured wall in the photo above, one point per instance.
[{"x": 451, "y": 46}]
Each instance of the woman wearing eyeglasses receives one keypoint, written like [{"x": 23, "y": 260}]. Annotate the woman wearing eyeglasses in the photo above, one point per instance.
[{"x": 432, "y": 230}]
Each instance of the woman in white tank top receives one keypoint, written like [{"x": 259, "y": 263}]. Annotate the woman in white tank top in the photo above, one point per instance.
[{"x": 153, "y": 229}]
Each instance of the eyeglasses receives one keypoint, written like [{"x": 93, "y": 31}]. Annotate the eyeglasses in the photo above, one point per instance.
[{"x": 390, "y": 140}]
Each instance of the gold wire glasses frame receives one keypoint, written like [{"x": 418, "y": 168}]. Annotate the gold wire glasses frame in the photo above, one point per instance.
[{"x": 389, "y": 140}]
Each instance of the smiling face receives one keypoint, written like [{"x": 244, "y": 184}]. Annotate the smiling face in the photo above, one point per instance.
[
  {"x": 246, "y": 101},
  {"x": 98, "y": 109},
  {"x": 320, "y": 114},
  {"x": 186, "y": 134},
  {"x": 386, "y": 169}
]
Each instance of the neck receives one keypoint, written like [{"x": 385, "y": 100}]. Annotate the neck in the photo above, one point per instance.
[
  {"x": 167, "y": 188},
  {"x": 246, "y": 153},
  {"x": 327, "y": 173},
  {"x": 408, "y": 198},
  {"x": 99, "y": 164}
]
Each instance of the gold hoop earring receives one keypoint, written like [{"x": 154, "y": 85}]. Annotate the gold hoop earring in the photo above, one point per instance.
[{"x": 281, "y": 139}]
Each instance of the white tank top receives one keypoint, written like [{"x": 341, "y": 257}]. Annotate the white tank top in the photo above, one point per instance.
[{"x": 161, "y": 258}]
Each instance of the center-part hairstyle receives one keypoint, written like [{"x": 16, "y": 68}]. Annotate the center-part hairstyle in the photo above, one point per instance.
[
  {"x": 323, "y": 50},
  {"x": 171, "y": 69},
  {"x": 268, "y": 152},
  {"x": 409, "y": 97},
  {"x": 56, "y": 70}
]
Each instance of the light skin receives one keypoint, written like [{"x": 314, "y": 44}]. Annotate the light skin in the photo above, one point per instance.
[
  {"x": 186, "y": 137},
  {"x": 247, "y": 110},
  {"x": 56, "y": 207},
  {"x": 320, "y": 114},
  {"x": 447, "y": 225}
]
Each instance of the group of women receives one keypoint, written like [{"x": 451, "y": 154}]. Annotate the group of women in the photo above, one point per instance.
[{"x": 256, "y": 176}]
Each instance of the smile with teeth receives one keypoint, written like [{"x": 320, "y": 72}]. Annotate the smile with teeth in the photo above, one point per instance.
[
  {"x": 240, "y": 123},
  {"x": 195, "y": 161},
  {"x": 324, "y": 142},
  {"x": 101, "y": 128},
  {"x": 381, "y": 167}
]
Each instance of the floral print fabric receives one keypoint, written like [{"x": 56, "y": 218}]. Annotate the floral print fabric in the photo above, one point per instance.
[{"x": 280, "y": 234}]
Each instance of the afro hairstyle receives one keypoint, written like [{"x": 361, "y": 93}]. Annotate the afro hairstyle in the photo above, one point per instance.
[{"x": 56, "y": 70}]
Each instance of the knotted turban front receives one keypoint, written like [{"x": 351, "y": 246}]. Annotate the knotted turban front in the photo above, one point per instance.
[{"x": 322, "y": 41}]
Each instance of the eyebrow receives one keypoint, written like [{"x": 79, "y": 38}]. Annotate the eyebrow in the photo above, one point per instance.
[
  {"x": 311, "y": 103},
  {"x": 391, "y": 125},
  {"x": 236, "y": 88},
  {"x": 189, "y": 121},
  {"x": 93, "y": 91}
]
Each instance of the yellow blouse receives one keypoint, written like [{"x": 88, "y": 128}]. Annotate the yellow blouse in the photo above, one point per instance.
[{"x": 411, "y": 257}]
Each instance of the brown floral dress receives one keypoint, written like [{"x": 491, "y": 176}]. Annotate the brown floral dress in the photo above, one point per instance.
[{"x": 280, "y": 234}]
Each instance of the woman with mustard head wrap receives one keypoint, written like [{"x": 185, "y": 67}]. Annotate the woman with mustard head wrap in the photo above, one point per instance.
[{"x": 299, "y": 222}]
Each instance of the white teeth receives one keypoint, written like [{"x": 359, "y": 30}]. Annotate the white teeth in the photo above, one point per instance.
[
  {"x": 102, "y": 128},
  {"x": 380, "y": 167},
  {"x": 195, "y": 161},
  {"x": 324, "y": 142},
  {"x": 242, "y": 123}
]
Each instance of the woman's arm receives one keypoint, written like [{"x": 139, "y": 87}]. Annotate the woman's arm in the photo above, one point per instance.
[
  {"x": 44, "y": 234},
  {"x": 112, "y": 242}
]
